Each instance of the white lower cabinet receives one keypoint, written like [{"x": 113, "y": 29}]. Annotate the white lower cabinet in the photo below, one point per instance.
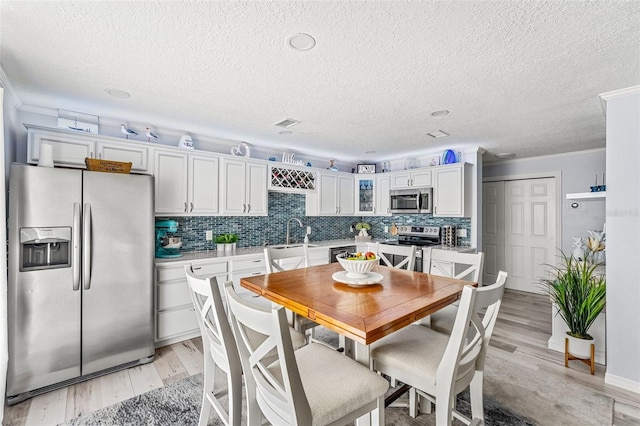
[
  {"x": 174, "y": 312},
  {"x": 246, "y": 267}
]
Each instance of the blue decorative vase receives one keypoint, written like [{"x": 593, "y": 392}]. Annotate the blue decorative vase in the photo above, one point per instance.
[{"x": 449, "y": 157}]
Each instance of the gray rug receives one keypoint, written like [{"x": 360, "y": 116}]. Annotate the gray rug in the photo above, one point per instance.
[
  {"x": 179, "y": 404},
  {"x": 514, "y": 396}
]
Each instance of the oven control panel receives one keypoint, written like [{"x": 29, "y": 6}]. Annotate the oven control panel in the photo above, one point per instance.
[{"x": 433, "y": 231}]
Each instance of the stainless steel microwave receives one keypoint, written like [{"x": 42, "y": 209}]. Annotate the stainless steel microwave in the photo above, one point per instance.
[{"x": 407, "y": 201}]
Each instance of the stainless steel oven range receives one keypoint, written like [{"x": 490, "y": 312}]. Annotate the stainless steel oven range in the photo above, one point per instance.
[{"x": 419, "y": 236}]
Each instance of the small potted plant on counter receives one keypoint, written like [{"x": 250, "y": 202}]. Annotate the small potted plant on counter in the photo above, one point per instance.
[
  {"x": 226, "y": 242},
  {"x": 363, "y": 227},
  {"x": 578, "y": 292}
]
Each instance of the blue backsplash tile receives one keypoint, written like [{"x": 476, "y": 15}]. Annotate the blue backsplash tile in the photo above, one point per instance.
[{"x": 271, "y": 229}]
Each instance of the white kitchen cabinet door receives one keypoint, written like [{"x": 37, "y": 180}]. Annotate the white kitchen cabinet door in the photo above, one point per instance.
[
  {"x": 203, "y": 193},
  {"x": 400, "y": 180},
  {"x": 138, "y": 156},
  {"x": 256, "y": 192},
  {"x": 328, "y": 194},
  {"x": 68, "y": 150},
  {"x": 244, "y": 188},
  {"x": 416, "y": 179},
  {"x": 171, "y": 176},
  {"x": 365, "y": 194},
  {"x": 382, "y": 201},
  {"x": 346, "y": 196},
  {"x": 450, "y": 197}
]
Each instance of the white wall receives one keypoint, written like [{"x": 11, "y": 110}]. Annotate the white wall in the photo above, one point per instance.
[
  {"x": 623, "y": 237},
  {"x": 578, "y": 171}
]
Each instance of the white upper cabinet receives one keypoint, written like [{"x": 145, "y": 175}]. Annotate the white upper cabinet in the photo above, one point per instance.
[
  {"x": 411, "y": 179},
  {"x": 138, "y": 156},
  {"x": 451, "y": 191},
  {"x": 186, "y": 184},
  {"x": 335, "y": 195},
  {"x": 70, "y": 149},
  {"x": 382, "y": 201},
  {"x": 365, "y": 187},
  {"x": 244, "y": 188}
]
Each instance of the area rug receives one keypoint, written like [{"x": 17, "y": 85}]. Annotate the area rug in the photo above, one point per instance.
[
  {"x": 179, "y": 404},
  {"x": 514, "y": 396}
]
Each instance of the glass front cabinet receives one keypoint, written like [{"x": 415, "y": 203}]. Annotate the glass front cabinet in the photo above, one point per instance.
[{"x": 365, "y": 195}]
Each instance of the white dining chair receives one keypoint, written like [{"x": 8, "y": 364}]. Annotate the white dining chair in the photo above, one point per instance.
[
  {"x": 313, "y": 385},
  {"x": 440, "y": 366},
  {"x": 453, "y": 264},
  {"x": 280, "y": 259},
  {"x": 219, "y": 348},
  {"x": 384, "y": 251}
]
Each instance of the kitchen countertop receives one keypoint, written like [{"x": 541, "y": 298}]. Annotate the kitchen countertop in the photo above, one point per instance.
[{"x": 194, "y": 256}]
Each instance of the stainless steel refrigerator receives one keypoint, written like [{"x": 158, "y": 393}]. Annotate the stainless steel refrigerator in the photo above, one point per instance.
[{"x": 81, "y": 249}]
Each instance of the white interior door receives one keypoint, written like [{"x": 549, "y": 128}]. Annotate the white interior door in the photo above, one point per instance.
[
  {"x": 492, "y": 230},
  {"x": 530, "y": 231}
]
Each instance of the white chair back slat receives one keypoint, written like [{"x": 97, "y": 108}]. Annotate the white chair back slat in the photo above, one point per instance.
[
  {"x": 446, "y": 263},
  {"x": 297, "y": 256},
  {"x": 409, "y": 253},
  {"x": 219, "y": 347}
]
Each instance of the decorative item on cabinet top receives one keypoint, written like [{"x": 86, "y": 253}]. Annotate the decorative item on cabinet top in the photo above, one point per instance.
[
  {"x": 242, "y": 150},
  {"x": 78, "y": 121},
  {"x": 366, "y": 168},
  {"x": 291, "y": 180}
]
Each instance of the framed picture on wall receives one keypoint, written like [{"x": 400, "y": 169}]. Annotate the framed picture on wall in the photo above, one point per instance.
[{"x": 366, "y": 168}]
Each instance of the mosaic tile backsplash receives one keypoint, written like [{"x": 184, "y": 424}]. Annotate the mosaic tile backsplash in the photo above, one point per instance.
[{"x": 271, "y": 229}]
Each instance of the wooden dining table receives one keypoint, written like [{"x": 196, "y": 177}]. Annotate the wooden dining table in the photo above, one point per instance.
[{"x": 362, "y": 314}]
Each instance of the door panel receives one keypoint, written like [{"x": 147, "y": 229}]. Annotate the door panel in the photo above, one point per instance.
[
  {"x": 493, "y": 230},
  {"x": 530, "y": 237},
  {"x": 117, "y": 302}
]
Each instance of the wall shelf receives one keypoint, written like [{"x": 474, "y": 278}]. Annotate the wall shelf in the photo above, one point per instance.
[{"x": 586, "y": 195}]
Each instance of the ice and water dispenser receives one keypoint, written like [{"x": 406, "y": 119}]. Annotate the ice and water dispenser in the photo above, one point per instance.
[{"x": 45, "y": 248}]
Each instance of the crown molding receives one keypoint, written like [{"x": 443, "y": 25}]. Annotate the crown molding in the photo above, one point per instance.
[
  {"x": 9, "y": 90},
  {"x": 616, "y": 94}
]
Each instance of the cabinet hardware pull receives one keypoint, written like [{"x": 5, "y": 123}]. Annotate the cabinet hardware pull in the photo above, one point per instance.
[
  {"x": 257, "y": 261},
  {"x": 248, "y": 208},
  {"x": 257, "y": 273},
  {"x": 100, "y": 155},
  {"x": 244, "y": 208},
  {"x": 196, "y": 268},
  {"x": 185, "y": 206},
  {"x": 191, "y": 207}
]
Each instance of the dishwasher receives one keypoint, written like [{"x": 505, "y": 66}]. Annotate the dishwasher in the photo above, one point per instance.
[{"x": 338, "y": 250}]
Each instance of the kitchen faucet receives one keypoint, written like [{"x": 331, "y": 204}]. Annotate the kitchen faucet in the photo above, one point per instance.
[{"x": 288, "y": 223}]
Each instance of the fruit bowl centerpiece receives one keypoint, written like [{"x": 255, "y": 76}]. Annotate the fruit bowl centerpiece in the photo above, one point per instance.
[{"x": 358, "y": 265}]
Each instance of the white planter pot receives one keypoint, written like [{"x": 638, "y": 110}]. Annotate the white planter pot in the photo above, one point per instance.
[
  {"x": 230, "y": 247},
  {"x": 580, "y": 348}
]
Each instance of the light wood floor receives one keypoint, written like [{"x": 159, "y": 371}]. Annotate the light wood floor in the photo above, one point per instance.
[{"x": 520, "y": 336}]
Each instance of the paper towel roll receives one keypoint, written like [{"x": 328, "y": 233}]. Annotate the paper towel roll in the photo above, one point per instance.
[{"x": 46, "y": 155}]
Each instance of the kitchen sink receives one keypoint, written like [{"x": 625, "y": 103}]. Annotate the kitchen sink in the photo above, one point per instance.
[{"x": 283, "y": 246}]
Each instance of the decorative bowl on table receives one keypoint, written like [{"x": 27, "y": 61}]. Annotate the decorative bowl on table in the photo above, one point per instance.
[{"x": 358, "y": 265}]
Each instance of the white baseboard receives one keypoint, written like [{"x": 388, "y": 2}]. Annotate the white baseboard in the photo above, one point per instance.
[{"x": 622, "y": 382}]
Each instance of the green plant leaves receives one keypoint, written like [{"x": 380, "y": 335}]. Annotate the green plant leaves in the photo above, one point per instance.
[{"x": 579, "y": 293}]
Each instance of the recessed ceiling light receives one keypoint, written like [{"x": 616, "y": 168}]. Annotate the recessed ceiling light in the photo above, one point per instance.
[
  {"x": 301, "y": 42},
  {"x": 505, "y": 155},
  {"x": 438, "y": 134},
  {"x": 117, "y": 93},
  {"x": 285, "y": 132},
  {"x": 440, "y": 113}
]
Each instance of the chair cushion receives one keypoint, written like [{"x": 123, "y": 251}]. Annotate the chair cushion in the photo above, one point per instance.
[
  {"x": 411, "y": 355},
  {"x": 442, "y": 321},
  {"x": 334, "y": 384}
]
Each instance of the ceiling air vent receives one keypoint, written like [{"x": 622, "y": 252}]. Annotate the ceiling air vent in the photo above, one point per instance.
[{"x": 286, "y": 123}]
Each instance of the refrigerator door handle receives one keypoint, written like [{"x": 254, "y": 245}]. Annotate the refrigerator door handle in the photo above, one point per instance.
[
  {"x": 75, "y": 241},
  {"x": 86, "y": 247}
]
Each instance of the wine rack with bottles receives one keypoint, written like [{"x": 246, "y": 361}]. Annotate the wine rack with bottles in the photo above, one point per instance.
[{"x": 292, "y": 180}]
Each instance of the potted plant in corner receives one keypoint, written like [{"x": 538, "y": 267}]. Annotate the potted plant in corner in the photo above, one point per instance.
[
  {"x": 226, "y": 242},
  {"x": 578, "y": 292}
]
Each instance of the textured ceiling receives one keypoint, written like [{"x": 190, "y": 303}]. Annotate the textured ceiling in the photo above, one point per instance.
[{"x": 520, "y": 77}]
